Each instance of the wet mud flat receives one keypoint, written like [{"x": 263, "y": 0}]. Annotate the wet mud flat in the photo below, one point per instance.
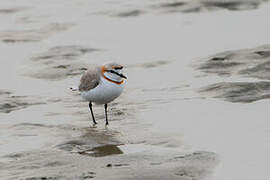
[
  {"x": 165, "y": 125},
  {"x": 86, "y": 152},
  {"x": 140, "y": 165}
]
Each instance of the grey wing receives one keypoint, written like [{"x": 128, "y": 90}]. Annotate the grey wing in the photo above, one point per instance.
[{"x": 89, "y": 80}]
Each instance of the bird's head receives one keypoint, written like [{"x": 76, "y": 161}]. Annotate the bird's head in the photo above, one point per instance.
[{"x": 113, "y": 71}]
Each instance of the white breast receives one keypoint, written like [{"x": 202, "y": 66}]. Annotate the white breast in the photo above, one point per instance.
[{"x": 104, "y": 93}]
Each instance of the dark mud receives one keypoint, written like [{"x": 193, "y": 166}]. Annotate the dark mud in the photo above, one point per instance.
[
  {"x": 131, "y": 13},
  {"x": 209, "y": 5},
  {"x": 9, "y": 102},
  {"x": 11, "y": 10},
  {"x": 62, "y": 53},
  {"x": 32, "y": 35},
  {"x": 152, "y": 64},
  {"x": 183, "y": 6},
  {"x": 248, "y": 63},
  {"x": 202, "y": 156},
  {"x": 60, "y": 62},
  {"x": 243, "y": 92},
  {"x": 42, "y": 178}
]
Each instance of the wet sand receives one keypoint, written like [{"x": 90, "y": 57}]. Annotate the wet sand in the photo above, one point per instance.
[{"x": 195, "y": 104}]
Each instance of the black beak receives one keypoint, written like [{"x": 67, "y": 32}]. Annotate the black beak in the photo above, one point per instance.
[{"x": 121, "y": 75}]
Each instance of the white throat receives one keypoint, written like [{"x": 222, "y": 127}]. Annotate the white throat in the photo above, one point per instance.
[{"x": 112, "y": 77}]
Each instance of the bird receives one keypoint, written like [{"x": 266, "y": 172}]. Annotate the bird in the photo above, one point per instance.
[{"x": 101, "y": 85}]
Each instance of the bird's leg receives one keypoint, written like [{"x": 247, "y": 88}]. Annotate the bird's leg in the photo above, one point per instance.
[
  {"x": 105, "y": 107},
  {"x": 90, "y": 107}
]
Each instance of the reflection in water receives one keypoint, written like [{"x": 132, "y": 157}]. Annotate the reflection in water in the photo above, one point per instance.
[
  {"x": 94, "y": 142},
  {"x": 101, "y": 151}
]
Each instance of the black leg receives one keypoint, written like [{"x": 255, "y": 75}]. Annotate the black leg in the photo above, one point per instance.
[
  {"x": 90, "y": 107},
  {"x": 105, "y": 106}
]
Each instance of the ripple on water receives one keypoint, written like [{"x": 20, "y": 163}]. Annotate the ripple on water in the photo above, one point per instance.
[
  {"x": 12, "y": 10},
  {"x": 130, "y": 13},
  {"x": 195, "y": 164},
  {"x": 246, "y": 62},
  {"x": 208, "y": 5},
  {"x": 31, "y": 126},
  {"x": 183, "y": 6},
  {"x": 59, "y": 62},
  {"x": 68, "y": 52},
  {"x": 152, "y": 64},
  {"x": 9, "y": 103},
  {"x": 244, "y": 92},
  {"x": 251, "y": 63},
  {"x": 43, "y": 178},
  {"x": 32, "y": 35}
]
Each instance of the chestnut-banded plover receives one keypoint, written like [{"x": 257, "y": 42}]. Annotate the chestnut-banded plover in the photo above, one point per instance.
[{"x": 101, "y": 85}]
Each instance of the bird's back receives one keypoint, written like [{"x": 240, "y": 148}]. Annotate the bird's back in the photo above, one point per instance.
[{"x": 90, "y": 79}]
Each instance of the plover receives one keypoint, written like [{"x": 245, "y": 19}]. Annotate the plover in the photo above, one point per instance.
[{"x": 101, "y": 85}]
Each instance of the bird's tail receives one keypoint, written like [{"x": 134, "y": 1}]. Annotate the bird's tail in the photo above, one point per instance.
[{"x": 73, "y": 88}]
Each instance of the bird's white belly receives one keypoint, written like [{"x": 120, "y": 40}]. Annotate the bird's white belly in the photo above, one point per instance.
[{"x": 104, "y": 93}]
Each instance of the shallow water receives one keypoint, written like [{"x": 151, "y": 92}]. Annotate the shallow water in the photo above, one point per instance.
[{"x": 195, "y": 104}]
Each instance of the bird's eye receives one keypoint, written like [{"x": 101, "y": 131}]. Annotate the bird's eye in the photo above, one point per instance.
[{"x": 118, "y": 67}]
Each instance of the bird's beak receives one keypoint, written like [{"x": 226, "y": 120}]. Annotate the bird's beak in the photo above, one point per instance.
[
  {"x": 123, "y": 76},
  {"x": 119, "y": 74}
]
